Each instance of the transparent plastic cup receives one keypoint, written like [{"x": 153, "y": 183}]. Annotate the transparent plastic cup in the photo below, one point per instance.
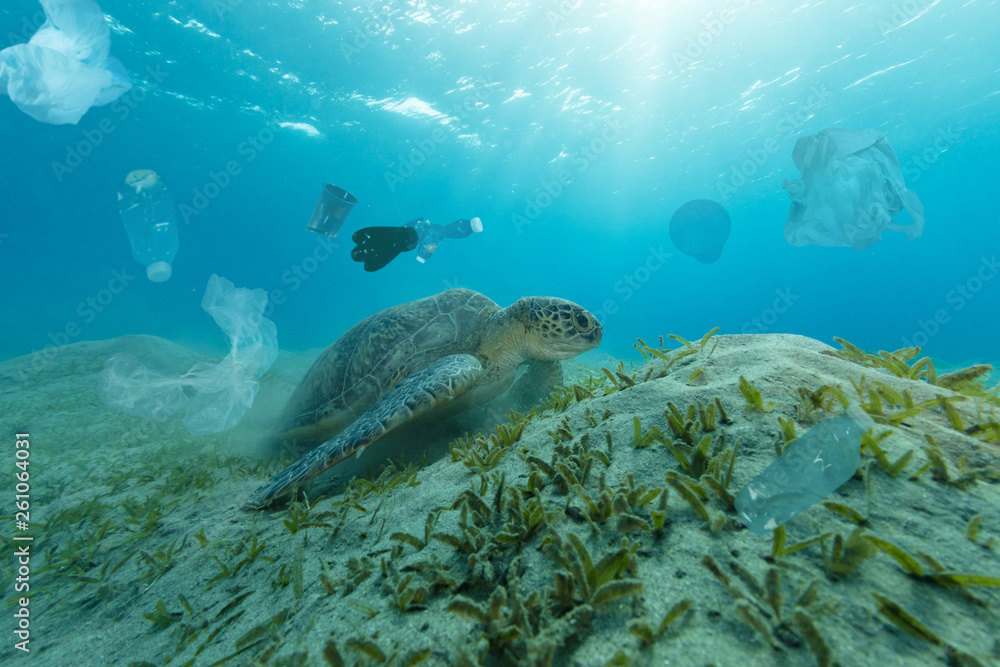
[{"x": 334, "y": 205}]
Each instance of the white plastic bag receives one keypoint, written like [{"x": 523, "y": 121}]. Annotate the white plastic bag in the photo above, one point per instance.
[
  {"x": 66, "y": 67},
  {"x": 223, "y": 392},
  {"x": 226, "y": 390},
  {"x": 851, "y": 187}
]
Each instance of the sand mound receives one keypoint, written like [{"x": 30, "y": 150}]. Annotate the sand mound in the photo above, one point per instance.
[{"x": 553, "y": 546}]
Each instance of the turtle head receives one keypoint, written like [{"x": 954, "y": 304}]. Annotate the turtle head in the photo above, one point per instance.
[{"x": 553, "y": 328}]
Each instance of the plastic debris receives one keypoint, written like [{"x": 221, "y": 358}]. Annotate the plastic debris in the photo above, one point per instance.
[
  {"x": 66, "y": 67},
  {"x": 814, "y": 466},
  {"x": 851, "y": 187},
  {"x": 150, "y": 219},
  {"x": 223, "y": 392}
]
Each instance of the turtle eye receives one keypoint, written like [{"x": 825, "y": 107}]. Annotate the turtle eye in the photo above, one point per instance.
[{"x": 582, "y": 321}]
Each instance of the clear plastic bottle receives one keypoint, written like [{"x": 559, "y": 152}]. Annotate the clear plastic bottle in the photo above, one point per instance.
[
  {"x": 431, "y": 235},
  {"x": 150, "y": 218},
  {"x": 814, "y": 466}
]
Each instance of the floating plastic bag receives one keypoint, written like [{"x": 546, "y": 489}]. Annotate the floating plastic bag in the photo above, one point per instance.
[
  {"x": 851, "y": 187},
  {"x": 223, "y": 391},
  {"x": 129, "y": 386},
  {"x": 66, "y": 67},
  {"x": 227, "y": 389}
]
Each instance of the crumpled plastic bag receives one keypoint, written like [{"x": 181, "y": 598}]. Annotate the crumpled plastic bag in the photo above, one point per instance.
[
  {"x": 851, "y": 187},
  {"x": 223, "y": 392},
  {"x": 131, "y": 387},
  {"x": 66, "y": 67}
]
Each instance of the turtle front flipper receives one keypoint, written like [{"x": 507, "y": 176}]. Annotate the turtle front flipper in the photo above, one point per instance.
[{"x": 425, "y": 390}]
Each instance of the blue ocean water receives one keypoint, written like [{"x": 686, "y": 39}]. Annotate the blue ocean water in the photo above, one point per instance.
[{"x": 573, "y": 130}]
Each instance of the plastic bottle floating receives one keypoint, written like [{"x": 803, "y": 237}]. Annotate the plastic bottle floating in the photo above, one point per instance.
[{"x": 150, "y": 219}]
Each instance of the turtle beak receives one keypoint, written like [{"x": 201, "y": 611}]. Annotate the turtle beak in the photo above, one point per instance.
[{"x": 583, "y": 342}]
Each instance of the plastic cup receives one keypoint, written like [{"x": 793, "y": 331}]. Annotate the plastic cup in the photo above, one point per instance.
[{"x": 334, "y": 205}]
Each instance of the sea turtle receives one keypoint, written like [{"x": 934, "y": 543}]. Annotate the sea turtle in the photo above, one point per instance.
[{"x": 445, "y": 353}]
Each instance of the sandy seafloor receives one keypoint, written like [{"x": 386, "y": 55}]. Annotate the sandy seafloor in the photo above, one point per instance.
[{"x": 133, "y": 520}]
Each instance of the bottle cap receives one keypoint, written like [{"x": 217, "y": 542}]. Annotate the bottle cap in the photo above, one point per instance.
[{"x": 159, "y": 272}]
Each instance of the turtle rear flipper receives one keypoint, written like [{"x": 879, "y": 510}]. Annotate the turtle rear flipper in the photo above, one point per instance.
[{"x": 425, "y": 390}]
